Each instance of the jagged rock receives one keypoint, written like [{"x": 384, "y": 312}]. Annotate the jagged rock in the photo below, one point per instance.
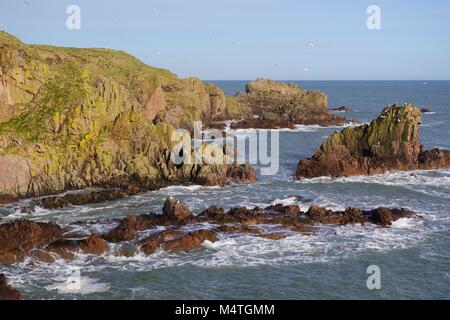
[
  {"x": 244, "y": 173},
  {"x": 45, "y": 241},
  {"x": 349, "y": 216},
  {"x": 190, "y": 241},
  {"x": 65, "y": 248},
  {"x": 283, "y": 105},
  {"x": 434, "y": 159},
  {"x": 7, "y": 292},
  {"x": 152, "y": 243},
  {"x": 19, "y": 237},
  {"x": 53, "y": 202},
  {"x": 129, "y": 226},
  {"x": 174, "y": 210},
  {"x": 384, "y": 217},
  {"x": 390, "y": 142}
]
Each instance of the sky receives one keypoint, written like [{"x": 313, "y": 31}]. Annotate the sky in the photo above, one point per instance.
[{"x": 246, "y": 39}]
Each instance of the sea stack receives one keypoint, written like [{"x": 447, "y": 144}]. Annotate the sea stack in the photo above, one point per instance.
[{"x": 390, "y": 142}]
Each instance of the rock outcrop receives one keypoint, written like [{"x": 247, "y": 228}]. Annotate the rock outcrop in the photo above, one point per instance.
[
  {"x": 390, "y": 142},
  {"x": 282, "y": 105},
  {"x": 74, "y": 118},
  {"x": 175, "y": 230},
  {"x": 19, "y": 238},
  {"x": 175, "y": 211},
  {"x": 7, "y": 292}
]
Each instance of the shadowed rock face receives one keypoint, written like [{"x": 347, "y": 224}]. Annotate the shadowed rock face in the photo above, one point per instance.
[
  {"x": 169, "y": 231},
  {"x": 7, "y": 292},
  {"x": 390, "y": 142},
  {"x": 283, "y": 105}
]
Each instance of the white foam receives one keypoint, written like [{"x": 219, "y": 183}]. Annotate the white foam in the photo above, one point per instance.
[
  {"x": 82, "y": 285},
  {"x": 393, "y": 178}
]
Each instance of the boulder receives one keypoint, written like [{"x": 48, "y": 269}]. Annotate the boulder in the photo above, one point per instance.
[
  {"x": 129, "y": 226},
  {"x": 65, "y": 248},
  {"x": 174, "y": 210}
]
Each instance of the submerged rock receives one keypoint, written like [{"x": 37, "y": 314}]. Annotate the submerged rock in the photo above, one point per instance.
[
  {"x": 243, "y": 173},
  {"x": 18, "y": 238},
  {"x": 129, "y": 226},
  {"x": 7, "y": 292},
  {"x": 65, "y": 248},
  {"x": 341, "y": 109},
  {"x": 390, "y": 142}
]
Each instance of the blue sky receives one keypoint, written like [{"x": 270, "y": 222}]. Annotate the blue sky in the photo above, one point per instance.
[{"x": 245, "y": 39}]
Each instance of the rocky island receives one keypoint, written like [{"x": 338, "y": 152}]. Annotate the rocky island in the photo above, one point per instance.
[
  {"x": 390, "y": 142},
  {"x": 275, "y": 104},
  {"x": 48, "y": 241}
]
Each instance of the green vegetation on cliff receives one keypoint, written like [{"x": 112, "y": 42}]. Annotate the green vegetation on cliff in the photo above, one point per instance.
[{"x": 72, "y": 118}]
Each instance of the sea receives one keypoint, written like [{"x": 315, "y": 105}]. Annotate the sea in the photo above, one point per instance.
[{"x": 411, "y": 258}]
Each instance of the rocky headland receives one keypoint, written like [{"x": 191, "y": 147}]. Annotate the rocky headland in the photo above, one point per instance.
[
  {"x": 75, "y": 118},
  {"x": 390, "y": 142}
]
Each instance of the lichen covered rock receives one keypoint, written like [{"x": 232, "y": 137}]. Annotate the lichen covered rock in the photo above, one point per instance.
[
  {"x": 390, "y": 142},
  {"x": 75, "y": 118}
]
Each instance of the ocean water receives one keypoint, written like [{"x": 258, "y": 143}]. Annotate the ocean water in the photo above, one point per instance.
[{"x": 413, "y": 255}]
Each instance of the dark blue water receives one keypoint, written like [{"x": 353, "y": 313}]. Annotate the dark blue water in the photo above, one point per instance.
[{"x": 413, "y": 254}]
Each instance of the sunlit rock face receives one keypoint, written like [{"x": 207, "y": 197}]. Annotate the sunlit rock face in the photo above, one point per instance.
[
  {"x": 73, "y": 118},
  {"x": 390, "y": 142}
]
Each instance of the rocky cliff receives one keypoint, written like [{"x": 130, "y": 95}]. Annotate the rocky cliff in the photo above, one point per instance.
[
  {"x": 72, "y": 118},
  {"x": 390, "y": 142},
  {"x": 278, "y": 104}
]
